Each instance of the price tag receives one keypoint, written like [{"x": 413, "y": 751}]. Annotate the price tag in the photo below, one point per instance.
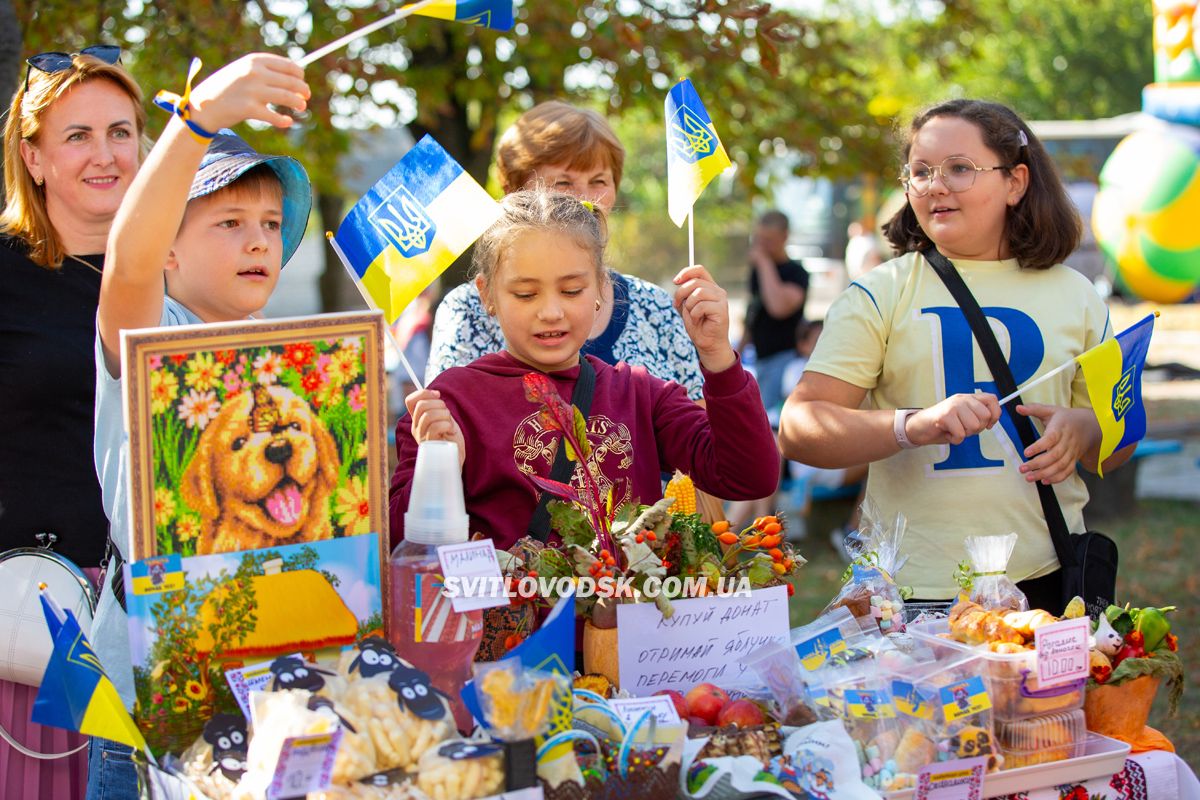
[
  {"x": 305, "y": 765},
  {"x": 471, "y": 575},
  {"x": 251, "y": 678},
  {"x": 961, "y": 779},
  {"x": 1062, "y": 652},
  {"x": 630, "y": 709}
]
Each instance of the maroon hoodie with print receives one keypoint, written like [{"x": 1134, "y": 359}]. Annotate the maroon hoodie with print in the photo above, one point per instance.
[{"x": 639, "y": 427}]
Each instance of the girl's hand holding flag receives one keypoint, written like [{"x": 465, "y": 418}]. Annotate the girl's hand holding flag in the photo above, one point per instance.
[
  {"x": 1069, "y": 435},
  {"x": 705, "y": 309}
]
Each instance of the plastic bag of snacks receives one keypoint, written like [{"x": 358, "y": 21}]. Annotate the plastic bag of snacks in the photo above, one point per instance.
[
  {"x": 859, "y": 695},
  {"x": 461, "y": 770},
  {"x": 835, "y": 635},
  {"x": 778, "y": 667},
  {"x": 818, "y": 760},
  {"x": 944, "y": 708},
  {"x": 991, "y": 587},
  {"x": 517, "y": 703},
  {"x": 870, "y": 591},
  {"x": 403, "y": 714}
]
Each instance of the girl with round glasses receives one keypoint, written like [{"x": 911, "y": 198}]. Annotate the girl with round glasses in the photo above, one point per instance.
[{"x": 897, "y": 380}]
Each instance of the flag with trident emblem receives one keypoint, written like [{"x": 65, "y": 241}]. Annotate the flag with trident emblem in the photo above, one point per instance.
[
  {"x": 411, "y": 225},
  {"x": 694, "y": 152}
]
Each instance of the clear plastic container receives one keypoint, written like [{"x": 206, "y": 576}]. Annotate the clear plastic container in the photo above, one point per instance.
[
  {"x": 1014, "y": 688},
  {"x": 424, "y": 627},
  {"x": 944, "y": 705},
  {"x": 1042, "y": 740}
]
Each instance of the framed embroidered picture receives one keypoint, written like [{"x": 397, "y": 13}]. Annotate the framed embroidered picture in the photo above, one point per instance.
[{"x": 255, "y": 434}]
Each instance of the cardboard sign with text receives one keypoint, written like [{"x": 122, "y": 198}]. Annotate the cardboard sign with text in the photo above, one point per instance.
[{"x": 702, "y": 642}]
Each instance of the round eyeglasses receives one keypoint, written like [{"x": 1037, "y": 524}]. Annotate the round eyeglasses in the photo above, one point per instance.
[
  {"x": 957, "y": 173},
  {"x": 56, "y": 61}
]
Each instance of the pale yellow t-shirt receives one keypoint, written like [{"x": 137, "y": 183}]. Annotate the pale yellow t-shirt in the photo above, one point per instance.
[{"x": 898, "y": 333}]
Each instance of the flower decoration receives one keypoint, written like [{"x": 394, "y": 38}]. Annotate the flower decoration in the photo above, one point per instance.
[{"x": 622, "y": 548}]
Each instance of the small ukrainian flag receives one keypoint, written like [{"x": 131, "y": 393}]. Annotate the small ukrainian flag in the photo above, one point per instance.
[
  {"x": 75, "y": 693},
  {"x": 694, "y": 152},
  {"x": 412, "y": 224},
  {"x": 494, "y": 14},
  {"x": 1113, "y": 371}
]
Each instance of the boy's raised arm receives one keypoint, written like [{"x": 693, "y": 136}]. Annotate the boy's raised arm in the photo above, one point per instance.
[{"x": 139, "y": 246}]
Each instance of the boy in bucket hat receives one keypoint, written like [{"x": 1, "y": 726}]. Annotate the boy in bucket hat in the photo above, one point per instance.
[{"x": 215, "y": 222}]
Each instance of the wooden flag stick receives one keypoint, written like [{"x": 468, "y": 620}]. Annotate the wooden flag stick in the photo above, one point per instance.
[
  {"x": 412, "y": 374},
  {"x": 321, "y": 52},
  {"x": 691, "y": 237}
]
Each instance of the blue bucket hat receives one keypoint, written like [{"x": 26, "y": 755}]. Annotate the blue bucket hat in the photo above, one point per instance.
[{"x": 229, "y": 157}]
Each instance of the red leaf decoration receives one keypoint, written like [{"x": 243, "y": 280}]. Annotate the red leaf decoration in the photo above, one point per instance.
[{"x": 555, "y": 488}]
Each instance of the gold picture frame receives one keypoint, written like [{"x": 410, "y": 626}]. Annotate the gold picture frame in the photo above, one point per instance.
[{"x": 256, "y": 434}]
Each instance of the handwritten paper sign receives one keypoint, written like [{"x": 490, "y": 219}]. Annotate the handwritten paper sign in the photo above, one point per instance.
[
  {"x": 471, "y": 575},
  {"x": 1062, "y": 651},
  {"x": 702, "y": 642},
  {"x": 630, "y": 709},
  {"x": 251, "y": 678},
  {"x": 305, "y": 765},
  {"x": 961, "y": 779}
]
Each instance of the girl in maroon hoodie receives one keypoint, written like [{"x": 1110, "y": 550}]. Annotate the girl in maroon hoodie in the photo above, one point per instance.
[{"x": 539, "y": 270}]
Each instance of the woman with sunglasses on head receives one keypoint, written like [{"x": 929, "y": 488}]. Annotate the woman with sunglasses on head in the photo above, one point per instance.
[
  {"x": 72, "y": 143},
  {"x": 983, "y": 192}
]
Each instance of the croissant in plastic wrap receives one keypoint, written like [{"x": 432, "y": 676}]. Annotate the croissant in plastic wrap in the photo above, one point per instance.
[{"x": 973, "y": 624}]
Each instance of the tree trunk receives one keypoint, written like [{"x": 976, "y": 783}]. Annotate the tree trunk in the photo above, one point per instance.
[{"x": 336, "y": 286}]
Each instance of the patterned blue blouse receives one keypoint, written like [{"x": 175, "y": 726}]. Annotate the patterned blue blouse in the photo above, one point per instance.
[{"x": 645, "y": 330}]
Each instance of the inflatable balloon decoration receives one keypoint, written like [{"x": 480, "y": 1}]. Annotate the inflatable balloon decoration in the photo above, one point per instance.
[{"x": 1145, "y": 213}]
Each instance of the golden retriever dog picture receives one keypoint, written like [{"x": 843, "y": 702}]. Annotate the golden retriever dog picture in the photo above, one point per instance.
[
  {"x": 263, "y": 473},
  {"x": 256, "y": 434}
]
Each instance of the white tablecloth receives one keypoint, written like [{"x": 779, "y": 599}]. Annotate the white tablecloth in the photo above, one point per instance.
[{"x": 1156, "y": 775}]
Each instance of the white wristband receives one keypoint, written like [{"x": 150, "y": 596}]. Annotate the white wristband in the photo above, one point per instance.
[{"x": 902, "y": 415}]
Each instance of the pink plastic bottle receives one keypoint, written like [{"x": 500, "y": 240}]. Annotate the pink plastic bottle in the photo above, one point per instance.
[{"x": 425, "y": 628}]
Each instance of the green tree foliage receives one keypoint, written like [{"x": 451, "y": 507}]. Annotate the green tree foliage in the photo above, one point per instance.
[
  {"x": 774, "y": 79},
  {"x": 1070, "y": 59}
]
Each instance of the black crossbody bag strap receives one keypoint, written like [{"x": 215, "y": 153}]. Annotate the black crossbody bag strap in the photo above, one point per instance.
[
  {"x": 581, "y": 398},
  {"x": 1005, "y": 385}
]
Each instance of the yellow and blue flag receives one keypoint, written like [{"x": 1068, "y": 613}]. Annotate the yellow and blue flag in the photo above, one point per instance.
[
  {"x": 1113, "y": 371},
  {"x": 411, "y": 225},
  {"x": 694, "y": 152},
  {"x": 494, "y": 14},
  {"x": 75, "y": 693}
]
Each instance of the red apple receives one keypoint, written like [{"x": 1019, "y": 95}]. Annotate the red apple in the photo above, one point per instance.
[
  {"x": 705, "y": 701},
  {"x": 742, "y": 713},
  {"x": 681, "y": 706}
]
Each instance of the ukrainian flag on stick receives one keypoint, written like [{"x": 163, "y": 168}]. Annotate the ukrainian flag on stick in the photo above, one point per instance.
[
  {"x": 1113, "y": 371},
  {"x": 694, "y": 152},
  {"x": 494, "y": 14},
  {"x": 75, "y": 693},
  {"x": 411, "y": 225}
]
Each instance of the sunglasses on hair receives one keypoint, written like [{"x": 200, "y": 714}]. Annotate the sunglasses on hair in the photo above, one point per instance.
[{"x": 56, "y": 61}]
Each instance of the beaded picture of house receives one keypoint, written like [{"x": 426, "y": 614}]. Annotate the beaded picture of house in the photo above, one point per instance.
[{"x": 193, "y": 618}]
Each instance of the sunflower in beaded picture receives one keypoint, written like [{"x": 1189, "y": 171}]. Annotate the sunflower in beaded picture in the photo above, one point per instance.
[{"x": 255, "y": 434}]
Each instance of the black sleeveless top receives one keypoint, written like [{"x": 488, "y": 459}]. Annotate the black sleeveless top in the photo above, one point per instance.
[{"x": 47, "y": 399}]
